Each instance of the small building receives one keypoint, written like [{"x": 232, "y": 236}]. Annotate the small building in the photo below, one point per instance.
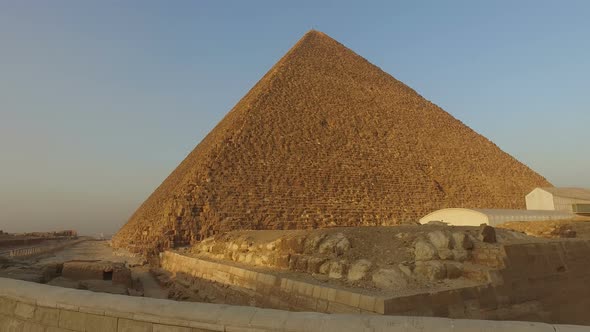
[
  {"x": 575, "y": 200},
  {"x": 492, "y": 217}
]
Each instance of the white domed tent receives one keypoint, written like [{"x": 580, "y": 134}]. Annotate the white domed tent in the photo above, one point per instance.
[{"x": 492, "y": 217}]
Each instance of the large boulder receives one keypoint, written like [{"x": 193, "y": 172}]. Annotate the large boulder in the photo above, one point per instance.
[
  {"x": 337, "y": 269},
  {"x": 461, "y": 255},
  {"x": 358, "y": 270},
  {"x": 424, "y": 251},
  {"x": 312, "y": 243},
  {"x": 454, "y": 270},
  {"x": 431, "y": 270},
  {"x": 487, "y": 234},
  {"x": 334, "y": 244},
  {"x": 440, "y": 240},
  {"x": 389, "y": 278},
  {"x": 462, "y": 241}
]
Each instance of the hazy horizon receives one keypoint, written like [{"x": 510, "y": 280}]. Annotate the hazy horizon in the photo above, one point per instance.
[{"x": 100, "y": 101}]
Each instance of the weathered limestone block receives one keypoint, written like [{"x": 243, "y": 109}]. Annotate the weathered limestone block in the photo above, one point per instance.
[
  {"x": 128, "y": 325},
  {"x": 273, "y": 245},
  {"x": 407, "y": 268},
  {"x": 390, "y": 278},
  {"x": 461, "y": 255},
  {"x": 24, "y": 310},
  {"x": 334, "y": 244},
  {"x": 431, "y": 270},
  {"x": 246, "y": 244},
  {"x": 440, "y": 240},
  {"x": 462, "y": 241},
  {"x": 293, "y": 261},
  {"x": 337, "y": 269},
  {"x": 168, "y": 328},
  {"x": 32, "y": 327},
  {"x": 314, "y": 264},
  {"x": 325, "y": 267},
  {"x": 276, "y": 259},
  {"x": 301, "y": 264},
  {"x": 261, "y": 259},
  {"x": 7, "y": 306},
  {"x": 445, "y": 254},
  {"x": 249, "y": 258},
  {"x": 342, "y": 246},
  {"x": 454, "y": 269},
  {"x": 72, "y": 320},
  {"x": 97, "y": 323},
  {"x": 312, "y": 243},
  {"x": 358, "y": 270},
  {"x": 294, "y": 244},
  {"x": 424, "y": 251},
  {"x": 8, "y": 323},
  {"x": 487, "y": 234},
  {"x": 46, "y": 316}
]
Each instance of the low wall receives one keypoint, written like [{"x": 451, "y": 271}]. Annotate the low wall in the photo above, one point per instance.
[
  {"x": 552, "y": 276},
  {"x": 28, "y": 306},
  {"x": 271, "y": 291},
  {"x": 544, "y": 282},
  {"x": 43, "y": 249}
]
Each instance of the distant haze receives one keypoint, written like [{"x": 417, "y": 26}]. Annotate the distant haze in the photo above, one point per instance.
[{"x": 100, "y": 101}]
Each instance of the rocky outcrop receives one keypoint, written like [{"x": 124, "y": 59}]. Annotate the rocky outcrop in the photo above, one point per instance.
[{"x": 336, "y": 255}]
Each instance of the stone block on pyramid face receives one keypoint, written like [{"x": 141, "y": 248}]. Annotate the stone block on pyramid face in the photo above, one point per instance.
[{"x": 252, "y": 162}]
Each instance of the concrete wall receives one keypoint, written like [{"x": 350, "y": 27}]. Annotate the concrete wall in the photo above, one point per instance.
[{"x": 28, "y": 306}]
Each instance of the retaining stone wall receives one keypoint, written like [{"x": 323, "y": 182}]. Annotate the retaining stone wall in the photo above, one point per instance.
[
  {"x": 26, "y": 306},
  {"x": 544, "y": 282}
]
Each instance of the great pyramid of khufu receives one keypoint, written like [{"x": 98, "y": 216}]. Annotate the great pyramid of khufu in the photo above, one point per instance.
[{"x": 325, "y": 138}]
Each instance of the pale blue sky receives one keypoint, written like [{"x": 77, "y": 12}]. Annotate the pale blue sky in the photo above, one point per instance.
[{"x": 100, "y": 100}]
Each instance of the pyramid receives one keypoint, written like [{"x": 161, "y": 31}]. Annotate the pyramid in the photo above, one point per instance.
[{"x": 324, "y": 139}]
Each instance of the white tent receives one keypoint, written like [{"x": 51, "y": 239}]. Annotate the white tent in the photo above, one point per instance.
[
  {"x": 492, "y": 217},
  {"x": 560, "y": 199}
]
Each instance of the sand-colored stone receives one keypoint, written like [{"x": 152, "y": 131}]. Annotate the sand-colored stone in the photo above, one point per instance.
[{"x": 325, "y": 138}]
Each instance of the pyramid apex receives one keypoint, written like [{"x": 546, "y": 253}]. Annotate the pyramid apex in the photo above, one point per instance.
[{"x": 314, "y": 32}]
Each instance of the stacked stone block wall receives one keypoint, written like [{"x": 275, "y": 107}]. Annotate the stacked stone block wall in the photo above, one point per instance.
[
  {"x": 544, "y": 282},
  {"x": 28, "y": 306}
]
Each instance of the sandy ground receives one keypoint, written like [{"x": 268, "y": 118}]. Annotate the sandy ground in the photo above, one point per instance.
[
  {"x": 88, "y": 250},
  {"x": 32, "y": 269}
]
